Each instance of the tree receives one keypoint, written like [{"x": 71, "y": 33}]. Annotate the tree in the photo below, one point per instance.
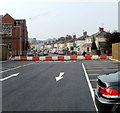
[
  {"x": 93, "y": 46},
  {"x": 68, "y": 37},
  {"x": 61, "y": 39},
  {"x": 112, "y": 38}
]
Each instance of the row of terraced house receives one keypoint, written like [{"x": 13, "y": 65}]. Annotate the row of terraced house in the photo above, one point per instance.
[
  {"x": 14, "y": 35},
  {"x": 80, "y": 44}
]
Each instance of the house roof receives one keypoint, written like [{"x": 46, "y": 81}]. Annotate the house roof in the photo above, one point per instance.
[
  {"x": 8, "y": 15},
  {"x": 7, "y": 19},
  {"x": 72, "y": 40},
  {"x": 99, "y": 34},
  {"x": 82, "y": 37},
  {"x": 60, "y": 42}
]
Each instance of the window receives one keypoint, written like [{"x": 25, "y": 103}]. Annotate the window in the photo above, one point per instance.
[
  {"x": 7, "y": 29},
  {"x": 9, "y": 46}
]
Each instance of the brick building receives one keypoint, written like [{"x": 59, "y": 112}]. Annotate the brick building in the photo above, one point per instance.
[
  {"x": 15, "y": 35},
  {"x": 0, "y": 25}
]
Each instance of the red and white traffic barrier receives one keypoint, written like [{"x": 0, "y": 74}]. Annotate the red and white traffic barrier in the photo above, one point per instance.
[
  {"x": 58, "y": 58},
  {"x": 95, "y": 57}
]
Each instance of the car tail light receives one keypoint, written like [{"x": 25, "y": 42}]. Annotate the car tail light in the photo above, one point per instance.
[{"x": 109, "y": 93}]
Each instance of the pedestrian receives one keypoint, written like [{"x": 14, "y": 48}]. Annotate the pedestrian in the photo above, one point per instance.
[{"x": 84, "y": 53}]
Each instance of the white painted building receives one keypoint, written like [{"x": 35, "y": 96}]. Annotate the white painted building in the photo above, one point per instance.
[
  {"x": 81, "y": 41},
  {"x": 100, "y": 40}
]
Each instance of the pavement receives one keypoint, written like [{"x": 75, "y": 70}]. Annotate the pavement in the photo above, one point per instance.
[
  {"x": 36, "y": 89},
  {"x": 110, "y": 57}
]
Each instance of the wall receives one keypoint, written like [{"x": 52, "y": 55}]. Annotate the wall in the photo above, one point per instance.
[
  {"x": 116, "y": 51},
  {"x": 0, "y": 23},
  {"x": 99, "y": 39},
  {"x": 3, "y": 52},
  {"x": 69, "y": 44},
  {"x": 61, "y": 46},
  {"x": 16, "y": 41},
  {"x": 80, "y": 43}
]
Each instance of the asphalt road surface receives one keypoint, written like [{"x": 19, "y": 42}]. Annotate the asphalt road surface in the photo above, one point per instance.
[{"x": 32, "y": 86}]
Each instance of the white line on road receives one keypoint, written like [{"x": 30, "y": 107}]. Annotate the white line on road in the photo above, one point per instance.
[
  {"x": 94, "y": 74},
  {"x": 94, "y": 70},
  {"x": 102, "y": 70},
  {"x": 99, "y": 67},
  {"x": 93, "y": 80},
  {"x": 94, "y": 89},
  {"x": 90, "y": 86},
  {"x": 16, "y": 67},
  {"x": 13, "y": 75}
]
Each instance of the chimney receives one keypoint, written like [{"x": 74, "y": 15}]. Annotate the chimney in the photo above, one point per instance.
[
  {"x": 101, "y": 29},
  {"x": 84, "y": 33},
  {"x": 74, "y": 36}
]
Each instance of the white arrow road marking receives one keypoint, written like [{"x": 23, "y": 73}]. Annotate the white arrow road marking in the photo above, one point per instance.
[
  {"x": 13, "y": 75},
  {"x": 60, "y": 76}
]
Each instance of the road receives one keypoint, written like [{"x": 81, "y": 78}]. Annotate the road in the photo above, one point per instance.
[{"x": 36, "y": 89}]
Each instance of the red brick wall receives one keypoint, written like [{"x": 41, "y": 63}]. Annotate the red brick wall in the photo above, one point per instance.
[
  {"x": 17, "y": 33},
  {"x": 7, "y": 19},
  {"x": 16, "y": 39}
]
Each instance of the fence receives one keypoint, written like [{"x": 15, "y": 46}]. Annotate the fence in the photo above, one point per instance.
[{"x": 116, "y": 51}]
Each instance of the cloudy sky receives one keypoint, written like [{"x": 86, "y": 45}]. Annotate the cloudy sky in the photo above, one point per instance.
[{"x": 56, "y": 18}]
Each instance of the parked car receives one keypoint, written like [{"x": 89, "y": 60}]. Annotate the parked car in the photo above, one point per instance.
[
  {"x": 45, "y": 53},
  {"x": 53, "y": 51},
  {"x": 40, "y": 54},
  {"x": 60, "y": 53},
  {"x": 56, "y": 52},
  {"x": 31, "y": 53},
  {"x": 107, "y": 94}
]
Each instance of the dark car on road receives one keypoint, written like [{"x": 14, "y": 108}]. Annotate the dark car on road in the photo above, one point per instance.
[
  {"x": 107, "y": 93},
  {"x": 61, "y": 53}
]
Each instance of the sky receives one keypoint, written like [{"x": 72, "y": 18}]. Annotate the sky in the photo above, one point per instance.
[{"x": 56, "y": 18}]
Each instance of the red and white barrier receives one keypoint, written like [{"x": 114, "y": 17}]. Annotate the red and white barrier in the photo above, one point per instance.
[
  {"x": 48, "y": 58},
  {"x": 103, "y": 56},
  {"x": 58, "y": 58},
  {"x": 16, "y": 58},
  {"x": 54, "y": 58},
  {"x": 80, "y": 58},
  {"x": 88, "y": 57},
  {"x": 36, "y": 58},
  {"x": 95, "y": 57},
  {"x": 73, "y": 57},
  {"x": 67, "y": 57}
]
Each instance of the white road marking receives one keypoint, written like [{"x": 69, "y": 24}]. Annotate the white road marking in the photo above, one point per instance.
[
  {"x": 90, "y": 86},
  {"x": 94, "y": 70},
  {"x": 94, "y": 74},
  {"x": 13, "y": 75},
  {"x": 16, "y": 67},
  {"x": 102, "y": 69},
  {"x": 54, "y": 61},
  {"x": 60, "y": 76},
  {"x": 94, "y": 89},
  {"x": 93, "y": 80}
]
